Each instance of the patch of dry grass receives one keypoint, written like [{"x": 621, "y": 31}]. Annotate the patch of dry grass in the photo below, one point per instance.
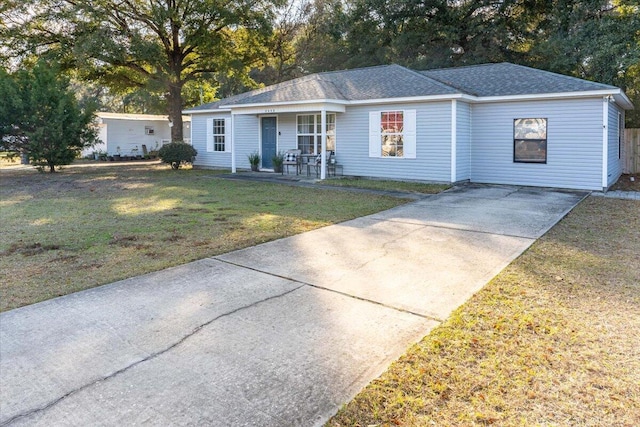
[
  {"x": 553, "y": 340},
  {"x": 94, "y": 224},
  {"x": 625, "y": 183},
  {"x": 6, "y": 159}
]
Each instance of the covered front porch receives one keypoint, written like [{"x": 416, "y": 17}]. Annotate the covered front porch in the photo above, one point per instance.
[{"x": 310, "y": 129}]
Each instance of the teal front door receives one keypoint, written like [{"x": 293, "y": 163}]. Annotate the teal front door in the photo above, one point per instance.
[{"x": 269, "y": 138}]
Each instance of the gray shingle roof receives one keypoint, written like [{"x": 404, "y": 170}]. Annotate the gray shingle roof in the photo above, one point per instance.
[
  {"x": 385, "y": 81},
  {"x": 509, "y": 79},
  {"x": 394, "y": 81}
]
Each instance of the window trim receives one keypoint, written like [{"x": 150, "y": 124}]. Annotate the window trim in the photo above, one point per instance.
[
  {"x": 409, "y": 134},
  {"x": 538, "y": 140},
  {"x": 317, "y": 137},
  {"x": 219, "y": 139},
  {"x": 384, "y": 134}
]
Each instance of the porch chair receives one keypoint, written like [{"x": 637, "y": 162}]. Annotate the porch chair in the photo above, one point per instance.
[
  {"x": 317, "y": 164},
  {"x": 292, "y": 158}
]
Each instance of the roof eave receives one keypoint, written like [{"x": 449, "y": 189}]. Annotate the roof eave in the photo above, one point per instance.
[
  {"x": 341, "y": 102},
  {"x": 620, "y": 97},
  {"x": 208, "y": 110},
  {"x": 281, "y": 103},
  {"x": 618, "y": 94},
  {"x": 444, "y": 97}
]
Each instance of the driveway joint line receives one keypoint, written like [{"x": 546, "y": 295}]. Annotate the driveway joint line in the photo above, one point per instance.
[
  {"x": 459, "y": 229},
  {"x": 323, "y": 288},
  {"x": 150, "y": 357}
]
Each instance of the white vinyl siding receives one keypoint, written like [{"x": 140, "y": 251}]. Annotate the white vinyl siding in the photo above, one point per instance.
[
  {"x": 246, "y": 138},
  {"x": 574, "y": 144},
  {"x": 360, "y": 157},
  {"x": 202, "y": 140},
  {"x": 614, "y": 158},
  {"x": 129, "y": 135}
]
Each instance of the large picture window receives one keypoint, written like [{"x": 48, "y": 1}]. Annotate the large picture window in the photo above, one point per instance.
[
  {"x": 309, "y": 132},
  {"x": 392, "y": 133},
  {"x": 530, "y": 140}
]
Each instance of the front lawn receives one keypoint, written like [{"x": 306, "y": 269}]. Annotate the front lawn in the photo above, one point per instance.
[
  {"x": 91, "y": 225},
  {"x": 387, "y": 185},
  {"x": 553, "y": 340}
]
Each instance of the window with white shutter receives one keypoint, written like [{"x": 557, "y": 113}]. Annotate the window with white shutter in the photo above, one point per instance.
[
  {"x": 392, "y": 134},
  {"x": 218, "y": 135}
]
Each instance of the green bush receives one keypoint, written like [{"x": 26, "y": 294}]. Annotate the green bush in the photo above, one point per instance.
[{"x": 177, "y": 153}]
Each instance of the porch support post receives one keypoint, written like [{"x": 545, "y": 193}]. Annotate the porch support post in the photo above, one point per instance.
[
  {"x": 323, "y": 137},
  {"x": 233, "y": 145}
]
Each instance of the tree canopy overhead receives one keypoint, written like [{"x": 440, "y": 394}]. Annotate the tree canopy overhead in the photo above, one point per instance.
[
  {"x": 159, "y": 45},
  {"x": 183, "y": 52}
]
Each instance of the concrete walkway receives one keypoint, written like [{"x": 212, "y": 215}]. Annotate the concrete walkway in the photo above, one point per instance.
[
  {"x": 619, "y": 194},
  {"x": 280, "y": 334}
]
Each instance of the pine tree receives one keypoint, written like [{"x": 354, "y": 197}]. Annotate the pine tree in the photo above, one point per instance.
[{"x": 44, "y": 120}]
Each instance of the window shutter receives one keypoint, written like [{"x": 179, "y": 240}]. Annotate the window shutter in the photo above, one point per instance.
[
  {"x": 227, "y": 135},
  {"x": 410, "y": 134},
  {"x": 210, "y": 134},
  {"x": 375, "y": 142}
]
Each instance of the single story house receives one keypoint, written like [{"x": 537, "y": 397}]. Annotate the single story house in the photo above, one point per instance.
[
  {"x": 492, "y": 123},
  {"x": 126, "y": 133}
]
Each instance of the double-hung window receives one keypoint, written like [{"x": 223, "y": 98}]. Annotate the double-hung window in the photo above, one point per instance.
[
  {"x": 392, "y": 134},
  {"x": 217, "y": 135},
  {"x": 530, "y": 140},
  {"x": 309, "y": 132}
]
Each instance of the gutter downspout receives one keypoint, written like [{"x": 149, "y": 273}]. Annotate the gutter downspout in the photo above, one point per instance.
[
  {"x": 454, "y": 139},
  {"x": 605, "y": 140}
]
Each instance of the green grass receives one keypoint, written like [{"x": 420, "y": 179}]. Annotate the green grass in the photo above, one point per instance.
[
  {"x": 553, "y": 340},
  {"x": 388, "y": 185},
  {"x": 91, "y": 225}
]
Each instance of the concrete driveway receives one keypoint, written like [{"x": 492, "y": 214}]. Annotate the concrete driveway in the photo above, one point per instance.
[{"x": 283, "y": 333}]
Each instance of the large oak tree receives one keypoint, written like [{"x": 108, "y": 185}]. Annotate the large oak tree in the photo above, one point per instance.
[{"x": 159, "y": 45}]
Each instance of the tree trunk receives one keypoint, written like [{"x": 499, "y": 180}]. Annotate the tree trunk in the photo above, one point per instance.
[{"x": 175, "y": 111}]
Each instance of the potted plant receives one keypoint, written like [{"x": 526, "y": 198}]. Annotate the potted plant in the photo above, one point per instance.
[
  {"x": 278, "y": 160},
  {"x": 254, "y": 161}
]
